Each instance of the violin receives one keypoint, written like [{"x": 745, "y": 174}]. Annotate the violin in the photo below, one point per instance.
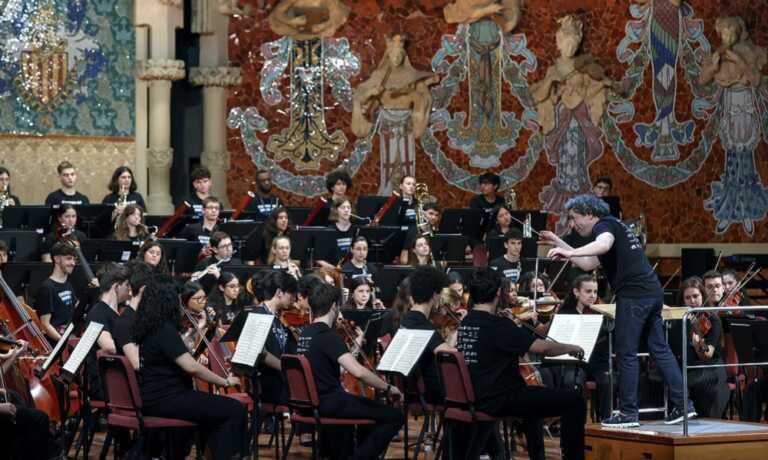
[
  {"x": 701, "y": 325},
  {"x": 293, "y": 319},
  {"x": 733, "y": 299}
]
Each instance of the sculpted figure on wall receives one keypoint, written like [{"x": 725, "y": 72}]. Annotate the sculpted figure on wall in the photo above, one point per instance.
[
  {"x": 735, "y": 67},
  {"x": 505, "y": 13},
  {"x": 571, "y": 99},
  {"x": 397, "y": 96},
  {"x": 308, "y": 18}
]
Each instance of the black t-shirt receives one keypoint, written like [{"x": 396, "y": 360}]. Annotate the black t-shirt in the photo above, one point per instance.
[
  {"x": 416, "y": 320},
  {"x": 122, "y": 329},
  {"x": 350, "y": 271},
  {"x": 492, "y": 346},
  {"x": 160, "y": 377},
  {"x": 196, "y": 207},
  {"x": 50, "y": 239},
  {"x": 406, "y": 212},
  {"x": 197, "y": 233},
  {"x": 279, "y": 341},
  {"x": 262, "y": 206},
  {"x": 343, "y": 242},
  {"x": 625, "y": 265},
  {"x": 132, "y": 198},
  {"x": 510, "y": 270},
  {"x": 209, "y": 281},
  {"x": 489, "y": 210},
  {"x": 56, "y": 299},
  {"x": 100, "y": 313},
  {"x": 323, "y": 347},
  {"x": 57, "y": 198}
]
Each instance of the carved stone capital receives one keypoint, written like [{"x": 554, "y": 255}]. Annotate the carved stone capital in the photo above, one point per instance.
[
  {"x": 160, "y": 69},
  {"x": 159, "y": 158},
  {"x": 215, "y": 159},
  {"x": 215, "y": 76},
  {"x": 176, "y": 3}
]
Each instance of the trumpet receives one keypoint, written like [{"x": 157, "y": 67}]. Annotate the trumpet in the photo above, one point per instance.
[{"x": 510, "y": 199}]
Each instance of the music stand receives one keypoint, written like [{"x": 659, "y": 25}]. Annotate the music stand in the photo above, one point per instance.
[
  {"x": 109, "y": 250},
  {"x": 448, "y": 247},
  {"x": 370, "y": 321},
  {"x": 38, "y": 272},
  {"x": 467, "y": 222},
  {"x": 369, "y": 205},
  {"x": 304, "y": 242},
  {"x": 155, "y": 220},
  {"x": 384, "y": 243},
  {"x": 23, "y": 245},
  {"x": 245, "y": 272},
  {"x": 240, "y": 231},
  {"x": 297, "y": 216},
  {"x": 34, "y": 217},
  {"x": 389, "y": 278},
  {"x": 180, "y": 254},
  {"x": 94, "y": 218}
]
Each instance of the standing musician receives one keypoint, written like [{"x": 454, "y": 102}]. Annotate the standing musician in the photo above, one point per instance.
[
  {"x": 492, "y": 345},
  {"x": 122, "y": 191},
  {"x": 264, "y": 203},
  {"x": 277, "y": 224},
  {"x": 509, "y": 264},
  {"x": 167, "y": 369},
  {"x": 129, "y": 226},
  {"x": 55, "y": 299},
  {"x": 345, "y": 231},
  {"x": 65, "y": 227},
  {"x": 24, "y": 432},
  {"x": 140, "y": 273},
  {"x": 202, "y": 183},
  {"x": 67, "y": 194},
  {"x": 280, "y": 256},
  {"x": 338, "y": 183},
  {"x": 407, "y": 204},
  {"x": 639, "y": 299},
  {"x": 488, "y": 200},
  {"x": 326, "y": 352},
  {"x": 202, "y": 231},
  {"x": 6, "y": 197},
  {"x": 358, "y": 266},
  {"x": 707, "y": 387}
]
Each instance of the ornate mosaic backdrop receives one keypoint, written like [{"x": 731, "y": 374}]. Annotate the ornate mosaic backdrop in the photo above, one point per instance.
[
  {"x": 660, "y": 139},
  {"x": 66, "y": 67}
]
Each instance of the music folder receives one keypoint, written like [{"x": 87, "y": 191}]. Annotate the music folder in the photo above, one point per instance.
[
  {"x": 81, "y": 351},
  {"x": 581, "y": 330},
  {"x": 404, "y": 351},
  {"x": 251, "y": 342}
]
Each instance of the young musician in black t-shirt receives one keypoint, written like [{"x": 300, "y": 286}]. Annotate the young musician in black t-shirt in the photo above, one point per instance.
[
  {"x": 488, "y": 201},
  {"x": 358, "y": 265},
  {"x": 509, "y": 264},
  {"x": 338, "y": 183},
  {"x": 344, "y": 232},
  {"x": 167, "y": 369},
  {"x": 492, "y": 346},
  {"x": 201, "y": 231},
  {"x": 122, "y": 191},
  {"x": 65, "y": 226},
  {"x": 209, "y": 269},
  {"x": 55, "y": 299},
  {"x": 264, "y": 203},
  {"x": 277, "y": 224},
  {"x": 202, "y": 183},
  {"x": 639, "y": 299},
  {"x": 5, "y": 189},
  {"x": 67, "y": 194},
  {"x": 140, "y": 273},
  {"x": 326, "y": 352}
]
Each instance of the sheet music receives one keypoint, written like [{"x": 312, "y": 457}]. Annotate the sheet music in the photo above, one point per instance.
[
  {"x": 83, "y": 347},
  {"x": 579, "y": 330},
  {"x": 252, "y": 339},
  {"x": 59, "y": 345},
  {"x": 404, "y": 351}
]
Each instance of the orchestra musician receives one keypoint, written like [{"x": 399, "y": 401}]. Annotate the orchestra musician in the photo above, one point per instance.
[
  {"x": 129, "y": 225},
  {"x": 122, "y": 191},
  {"x": 338, "y": 183},
  {"x": 277, "y": 224},
  {"x": 421, "y": 252},
  {"x": 327, "y": 353},
  {"x": 264, "y": 203},
  {"x": 55, "y": 299},
  {"x": 534, "y": 282},
  {"x": 503, "y": 223},
  {"x": 739, "y": 297},
  {"x": 65, "y": 227},
  {"x": 488, "y": 200},
  {"x": 153, "y": 254},
  {"x": 432, "y": 214},
  {"x": 140, "y": 273},
  {"x": 358, "y": 266},
  {"x": 67, "y": 194},
  {"x": 707, "y": 387},
  {"x": 167, "y": 369},
  {"x": 639, "y": 299},
  {"x": 202, "y": 183},
  {"x": 225, "y": 299},
  {"x": 344, "y": 231},
  {"x": 407, "y": 204},
  {"x": 202, "y": 231},
  {"x": 209, "y": 269},
  {"x": 360, "y": 297},
  {"x": 602, "y": 189},
  {"x": 280, "y": 256},
  {"x": 5, "y": 189},
  {"x": 509, "y": 264},
  {"x": 491, "y": 345}
]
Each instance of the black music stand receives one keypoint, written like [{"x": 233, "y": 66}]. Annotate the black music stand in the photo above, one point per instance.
[
  {"x": 306, "y": 243},
  {"x": 109, "y": 250},
  {"x": 155, "y": 220},
  {"x": 35, "y": 217},
  {"x": 180, "y": 254},
  {"x": 245, "y": 272},
  {"x": 384, "y": 243},
  {"x": 495, "y": 246},
  {"x": 389, "y": 278},
  {"x": 240, "y": 231},
  {"x": 369, "y": 205},
  {"x": 95, "y": 219},
  {"x": 467, "y": 222},
  {"x": 23, "y": 245},
  {"x": 370, "y": 321},
  {"x": 448, "y": 247},
  {"x": 297, "y": 216}
]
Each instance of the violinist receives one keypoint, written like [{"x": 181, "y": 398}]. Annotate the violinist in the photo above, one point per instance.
[
  {"x": 55, "y": 299},
  {"x": 265, "y": 202},
  {"x": 736, "y": 297},
  {"x": 129, "y": 225},
  {"x": 67, "y": 194},
  {"x": 113, "y": 291},
  {"x": 492, "y": 345},
  {"x": 202, "y": 183},
  {"x": 360, "y": 297},
  {"x": 122, "y": 190},
  {"x": 358, "y": 266},
  {"x": 509, "y": 264},
  {"x": 193, "y": 299},
  {"x": 714, "y": 289},
  {"x": 24, "y": 432},
  {"x": 426, "y": 286},
  {"x": 327, "y": 353},
  {"x": 203, "y": 230},
  {"x": 280, "y": 257},
  {"x": 153, "y": 254},
  {"x": 167, "y": 368},
  {"x": 140, "y": 273},
  {"x": 65, "y": 226},
  {"x": 534, "y": 282},
  {"x": 277, "y": 224},
  {"x": 225, "y": 300},
  {"x": 707, "y": 387},
  {"x": 345, "y": 231}
]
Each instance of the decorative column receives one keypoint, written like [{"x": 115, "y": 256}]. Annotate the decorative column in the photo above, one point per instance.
[
  {"x": 215, "y": 156},
  {"x": 159, "y": 73}
]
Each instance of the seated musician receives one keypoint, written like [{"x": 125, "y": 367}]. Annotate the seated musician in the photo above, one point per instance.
[
  {"x": 202, "y": 231},
  {"x": 533, "y": 282},
  {"x": 488, "y": 200},
  {"x": 277, "y": 224},
  {"x": 202, "y": 183},
  {"x": 225, "y": 299},
  {"x": 65, "y": 225},
  {"x": 432, "y": 213},
  {"x": 707, "y": 387},
  {"x": 129, "y": 226},
  {"x": 122, "y": 191},
  {"x": 421, "y": 252},
  {"x": 503, "y": 223},
  {"x": 360, "y": 297},
  {"x": 338, "y": 183},
  {"x": 167, "y": 369},
  {"x": 509, "y": 264},
  {"x": 492, "y": 345},
  {"x": 582, "y": 296},
  {"x": 24, "y": 431},
  {"x": 358, "y": 266},
  {"x": 602, "y": 189},
  {"x": 426, "y": 285},
  {"x": 279, "y": 290},
  {"x": 280, "y": 256},
  {"x": 344, "y": 232},
  {"x": 55, "y": 299},
  {"x": 210, "y": 268},
  {"x": 265, "y": 202},
  {"x": 140, "y": 273},
  {"x": 326, "y": 352},
  {"x": 5, "y": 187},
  {"x": 195, "y": 301},
  {"x": 407, "y": 204},
  {"x": 67, "y": 194},
  {"x": 153, "y": 254},
  {"x": 740, "y": 298}
]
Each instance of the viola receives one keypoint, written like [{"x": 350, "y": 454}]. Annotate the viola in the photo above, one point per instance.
[
  {"x": 349, "y": 382},
  {"x": 732, "y": 300},
  {"x": 701, "y": 325}
]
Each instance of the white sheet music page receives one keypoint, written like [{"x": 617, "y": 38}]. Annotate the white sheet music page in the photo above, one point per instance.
[
  {"x": 581, "y": 330},
  {"x": 252, "y": 339},
  {"x": 404, "y": 351},
  {"x": 89, "y": 338}
]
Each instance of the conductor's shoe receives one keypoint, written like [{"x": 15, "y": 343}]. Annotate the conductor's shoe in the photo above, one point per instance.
[
  {"x": 676, "y": 415},
  {"x": 619, "y": 420}
]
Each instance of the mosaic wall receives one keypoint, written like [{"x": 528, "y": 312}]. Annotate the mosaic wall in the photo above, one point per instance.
[
  {"x": 658, "y": 139},
  {"x": 66, "y": 67}
]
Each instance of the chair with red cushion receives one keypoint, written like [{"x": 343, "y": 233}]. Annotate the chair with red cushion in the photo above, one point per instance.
[
  {"x": 459, "y": 399},
  {"x": 417, "y": 405},
  {"x": 123, "y": 400},
  {"x": 304, "y": 402}
]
